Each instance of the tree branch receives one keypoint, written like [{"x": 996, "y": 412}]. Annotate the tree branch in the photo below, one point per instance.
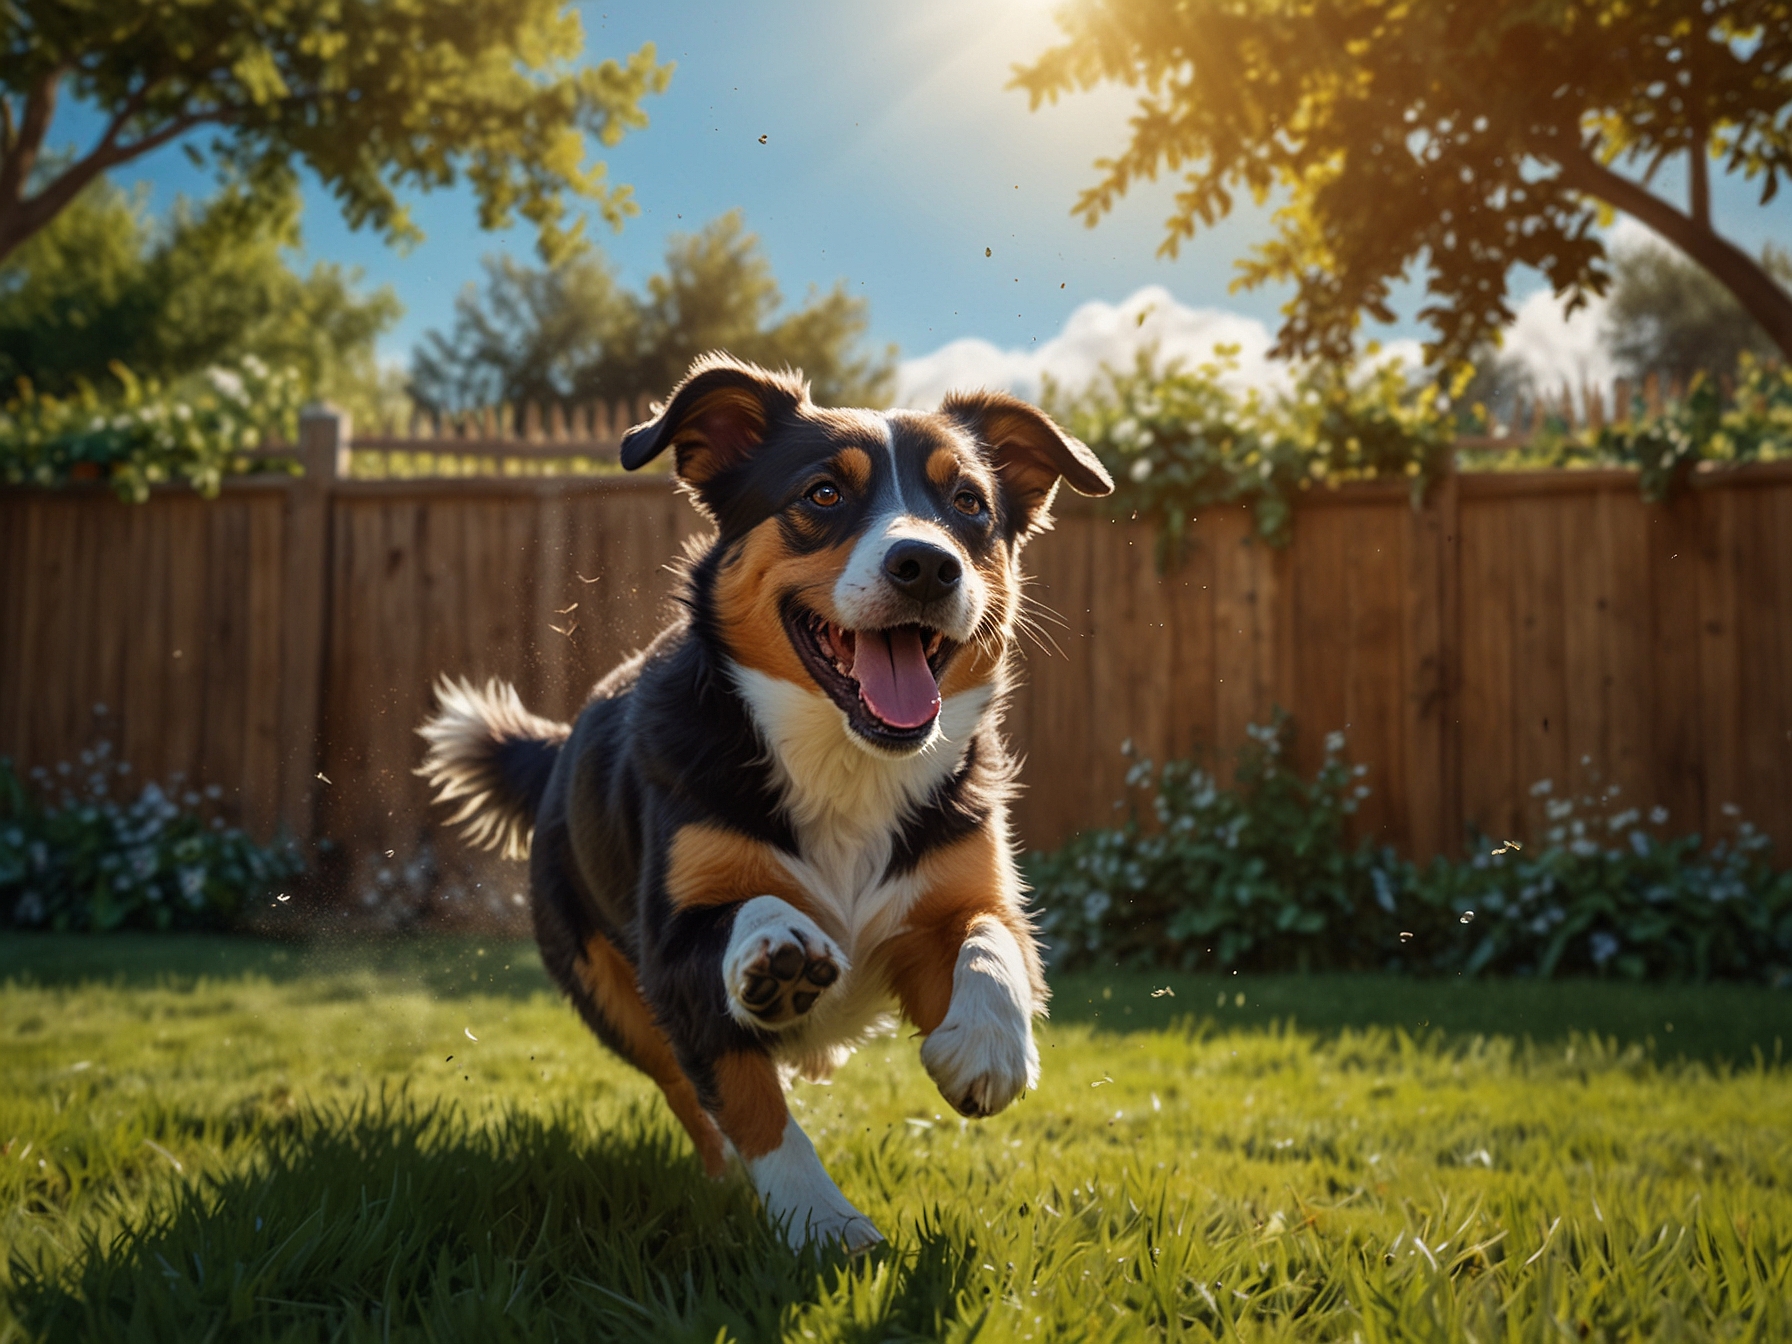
[
  {"x": 1728, "y": 264},
  {"x": 21, "y": 156},
  {"x": 25, "y": 217},
  {"x": 1700, "y": 178}
]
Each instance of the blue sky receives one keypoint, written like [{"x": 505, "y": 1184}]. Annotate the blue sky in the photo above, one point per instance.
[{"x": 894, "y": 156}]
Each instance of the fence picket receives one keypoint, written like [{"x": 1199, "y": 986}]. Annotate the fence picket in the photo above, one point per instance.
[{"x": 1521, "y": 621}]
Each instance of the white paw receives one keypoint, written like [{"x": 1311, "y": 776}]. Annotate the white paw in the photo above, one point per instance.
[
  {"x": 778, "y": 964},
  {"x": 981, "y": 1066},
  {"x": 830, "y": 1227},
  {"x": 982, "y": 1056},
  {"x": 802, "y": 1199}
]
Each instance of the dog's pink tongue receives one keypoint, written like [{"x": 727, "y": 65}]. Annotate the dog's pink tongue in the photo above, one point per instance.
[{"x": 893, "y": 676}]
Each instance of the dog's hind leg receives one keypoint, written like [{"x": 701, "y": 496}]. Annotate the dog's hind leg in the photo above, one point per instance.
[
  {"x": 622, "y": 1020},
  {"x": 798, "y": 1194}
]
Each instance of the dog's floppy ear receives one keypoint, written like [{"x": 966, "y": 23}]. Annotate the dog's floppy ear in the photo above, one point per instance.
[
  {"x": 714, "y": 418},
  {"x": 1031, "y": 454}
]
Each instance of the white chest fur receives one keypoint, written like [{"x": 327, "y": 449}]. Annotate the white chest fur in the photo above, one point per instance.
[{"x": 847, "y": 802}]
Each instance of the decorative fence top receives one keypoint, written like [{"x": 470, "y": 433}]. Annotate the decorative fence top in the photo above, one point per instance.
[
  {"x": 556, "y": 439},
  {"x": 527, "y": 440},
  {"x": 1597, "y": 407}
]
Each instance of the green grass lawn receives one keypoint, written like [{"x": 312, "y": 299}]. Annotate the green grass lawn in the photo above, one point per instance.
[{"x": 212, "y": 1139}]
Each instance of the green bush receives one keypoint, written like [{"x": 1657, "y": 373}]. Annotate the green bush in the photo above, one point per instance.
[
  {"x": 1181, "y": 439},
  {"x": 1263, "y": 876},
  {"x": 74, "y": 857},
  {"x": 1751, "y": 422},
  {"x": 143, "y": 434}
]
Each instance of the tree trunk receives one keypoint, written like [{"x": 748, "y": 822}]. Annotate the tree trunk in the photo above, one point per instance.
[{"x": 1757, "y": 291}]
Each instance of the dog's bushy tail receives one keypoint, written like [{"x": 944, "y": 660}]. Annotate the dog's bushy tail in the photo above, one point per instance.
[{"x": 493, "y": 757}]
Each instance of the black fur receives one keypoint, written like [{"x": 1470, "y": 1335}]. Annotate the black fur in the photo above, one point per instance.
[{"x": 666, "y": 740}]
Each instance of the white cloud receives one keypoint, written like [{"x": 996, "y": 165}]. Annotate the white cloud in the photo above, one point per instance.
[
  {"x": 1556, "y": 349},
  {"x": 1111, "y": 334},
  {"x": 1095, "y": 334}
]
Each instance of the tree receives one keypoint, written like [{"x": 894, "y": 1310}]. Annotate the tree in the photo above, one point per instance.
[
  {"x": 370, "y": 95},
  {"x": 570, "y": 332},
  {"x": 1666, "y": 315},
  {"x": 1464, "y": 137},
  {"x": 103, "y": 283}
]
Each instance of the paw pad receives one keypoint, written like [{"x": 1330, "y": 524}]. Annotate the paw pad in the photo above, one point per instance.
[{"x": 784, "y": 981}]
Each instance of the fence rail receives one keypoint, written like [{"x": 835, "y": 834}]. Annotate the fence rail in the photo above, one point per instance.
[{"x": 280, "y": 641}]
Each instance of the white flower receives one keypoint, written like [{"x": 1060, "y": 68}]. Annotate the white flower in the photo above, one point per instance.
[
  {"x": 225, "y": 381},
  {"x": 1657, "y": 815},
  {"x": 1334, "y": 743},
  {"x": 192, "y": 885},
  {"x": 1603, "y": 946},
  {"x": 1541, "y": 787},
  {"x": 1140, "y": 470}
]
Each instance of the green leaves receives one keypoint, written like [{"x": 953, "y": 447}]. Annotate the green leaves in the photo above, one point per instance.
[
  {"x": 373, "y": 96},
  {"x": 1178, "y": 440},
  {"x": 1456, "y": 138},
  {"x": 1263, "y": 876},
  {"x": 79, "y": 858},
  {"x": 570, "y": 332},
  {"x": 205, "y": 285},
  {"x": 1709, "y": 427},
  {"x": 199, "y": 431}
]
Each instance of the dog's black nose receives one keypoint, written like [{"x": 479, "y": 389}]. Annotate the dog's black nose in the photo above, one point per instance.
[{"x": 921, "y": 570}]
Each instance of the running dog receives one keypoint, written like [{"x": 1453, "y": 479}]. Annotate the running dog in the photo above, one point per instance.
[{"x": 788, "y": 814}]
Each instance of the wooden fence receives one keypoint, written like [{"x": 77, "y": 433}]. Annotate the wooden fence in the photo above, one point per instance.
[{"x": 280, "y": 641}]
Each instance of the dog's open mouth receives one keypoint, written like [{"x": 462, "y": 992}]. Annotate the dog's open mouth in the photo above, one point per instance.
[{"x": 886, "y": 681}]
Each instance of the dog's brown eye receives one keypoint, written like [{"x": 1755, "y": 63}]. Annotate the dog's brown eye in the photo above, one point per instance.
[
  {"x": 827, "y": 494},
  {"x": 967, "y": 503}
]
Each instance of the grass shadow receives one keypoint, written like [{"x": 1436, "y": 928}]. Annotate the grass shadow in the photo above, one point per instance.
[
  {"x": 1710, "y": 1022},
  {"x": 388, "y": 1220},
  {"x": 442, "y": 965}
]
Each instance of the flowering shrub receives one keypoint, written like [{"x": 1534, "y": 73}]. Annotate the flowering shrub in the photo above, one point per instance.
[
  {"x": 76, "y": 857},
  {"x": 1262, "y": 876},
  {"x": 1751, "y": 424},
  {"x": 1181, "y": 439},
  {"x": 1257, "y": 876},
  {"x": 145, "y": 434},
  {"x": 1609, "y": 890}
]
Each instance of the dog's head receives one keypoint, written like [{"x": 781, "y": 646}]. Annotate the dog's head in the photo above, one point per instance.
[{"x": 870, "y": 555}]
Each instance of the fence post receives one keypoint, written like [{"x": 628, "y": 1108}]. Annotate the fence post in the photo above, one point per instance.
[{"x": 324, "y": 453}]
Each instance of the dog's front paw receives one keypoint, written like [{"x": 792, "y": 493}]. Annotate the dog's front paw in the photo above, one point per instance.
[
  {"x": 778, "y": 964},
  {"x": 981, "y": 1061}
]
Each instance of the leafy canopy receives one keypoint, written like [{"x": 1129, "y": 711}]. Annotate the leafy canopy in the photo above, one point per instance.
[
  {"x": 570, "y": 332},
  {"x": 104, "y": 284},
  {"x": 373, "y": 96},
  {"x": 1458, "y": 137}
]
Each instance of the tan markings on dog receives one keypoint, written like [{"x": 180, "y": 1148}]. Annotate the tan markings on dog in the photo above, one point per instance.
[
  {"x": 944, "y": 466},
  {"x": 609, "y": 978},
  {"x": 853, "y": 466},
  {"x": 754, "y": 579},
  {"x": 710, "y": 865},
  {"x": 750, "y": 1103},
  {"x": 962, "y": 883},
  {"x": 717, "y": 432},
  {"x": 1028, "y": 473}
]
